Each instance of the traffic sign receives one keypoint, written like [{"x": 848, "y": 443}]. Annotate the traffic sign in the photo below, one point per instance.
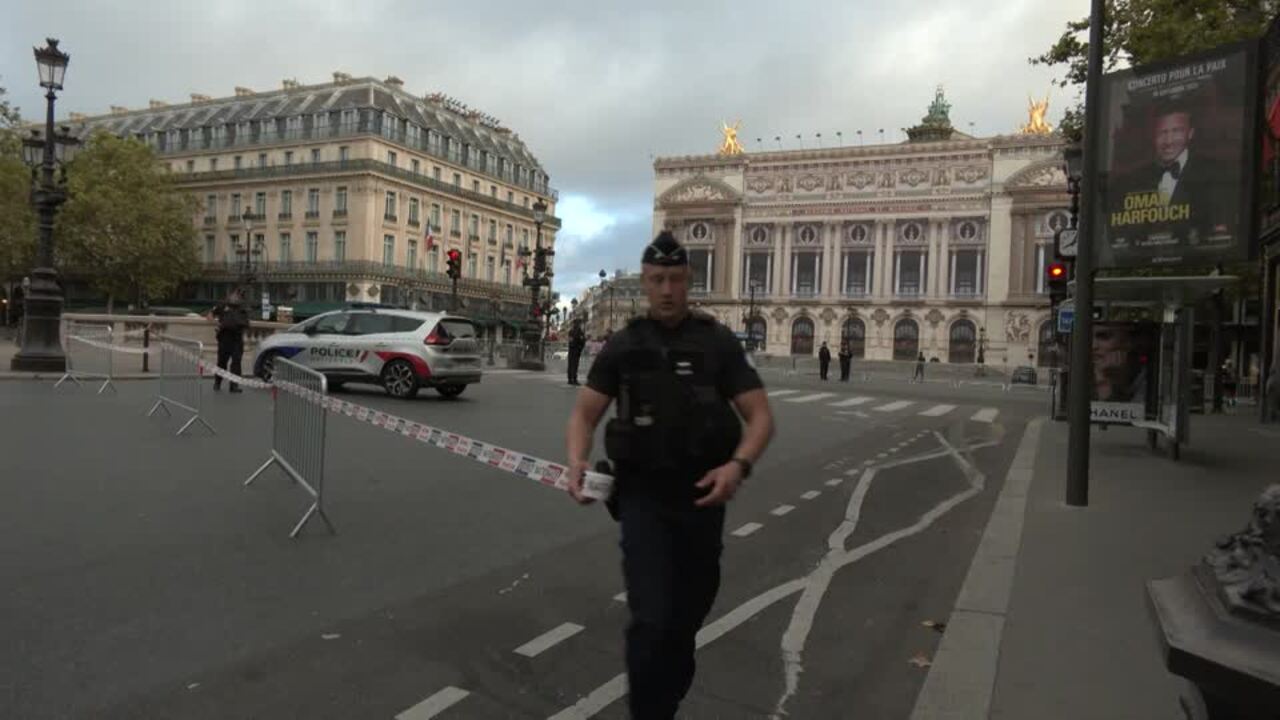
[
  {"x": 1066, "y": 320},
  {"x": 1066, "y": 242}
]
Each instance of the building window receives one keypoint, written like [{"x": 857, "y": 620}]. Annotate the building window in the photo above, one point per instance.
[
  {"x": 260, "y": 205},
  {"x": 457, "y": 180},
  {"x": 313, "y": 246},
  {"x": 700, "y": 269},
  {"x": 857, "y": 274},
  {"x": 213, "y": 164},
  {"x": 475, "y": 186},
  {"x": 511, "y": 198},
  {"x": 388, "y": 249},
  {"x": 471, "y": 265},
  {"x": 286, "y": 203},
  {"x": 435, "y": 172},
  {"x": 455, "y": 223},
  {"x": 432, "y": 260},
  {"x": 506, "y": 272},
  {"x": 963, "y": 344},
  {"x": 489, "y": 269},
  {"x": 806, "y": 271},
  {"x": 191, "y": 166},
  {"x": 315, "y": 155},
  {"x": 909, "y": 273},
  {"x": 509, "y": 236},
  {"x": 413, "y": 211},
  {"x": 473, "y": 228},
  {"x": 435, "y": 216},
  {"x": 313, "y": 203},
  {"x": 340, "y": 201},
  {"x": 413, "y": 254},
  {"x": 210, "y": 207},
  {"x": 262, "y": 160},
  {"x": 235, "y": 205},
  {"x": 391, "y": 158},
  {"x": 286, "y": 249},
  {"x": 493, "y": 230},
  {"x": 210, "y": 246},
  {"x": 288, "y": 158},
  {"x": 853, "y": 335},
  {"x": 1041, "y": 259},
  {"x": 966, "y": 273},
  {"x": 340, "y": 246},
  {"x": 906, "y": 340},
  {"x": 802, "y": 336},
  {"x": 232, "y": 241},
  {"x": 389, "y": 207},
  {"x": 493, "y": 191},
  {"x": 237, "y": 162},
  {"x": 344, "y": 153},
  {"x": 757, "y": 270}
]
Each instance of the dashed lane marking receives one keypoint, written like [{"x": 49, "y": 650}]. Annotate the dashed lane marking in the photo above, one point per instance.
[
  {"x": 747, "y": 529},
  {"x": 810, "y": 495},
  {"x": 985, "y": 415},
  {"x": 435, "y": 704},
  {"x": 852, "y": 401},
  {"x": 549, "y": 639},
  {"x": 782, "y": 510},
  {"x": 810, "y": 398},
  {"x": 938, "y": 410},
  {"x": 776, "y": 393},
  {"x": 898, "y": 405},
  {"x": 834, "y": 482}
]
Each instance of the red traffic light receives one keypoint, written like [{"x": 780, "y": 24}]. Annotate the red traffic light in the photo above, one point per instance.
[
  {"x": 455, "y": 256},
  {"x": 1056, "y": 271}
]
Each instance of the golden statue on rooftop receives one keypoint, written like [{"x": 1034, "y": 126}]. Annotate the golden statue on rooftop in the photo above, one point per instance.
[
  {"x": 1036, "y": 124},
  {"x": 730, "y": 145}
]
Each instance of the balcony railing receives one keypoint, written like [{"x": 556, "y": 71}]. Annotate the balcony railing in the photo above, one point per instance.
[
  {"x": 455, "y": 233},
  {"x": 210, "y": 219},
  {"x": 348, "y": 130},
  {"x": 353, "y": 166},
  {"x": 389, "y": 217},
  {"x": 909, "y": 292},
  {"x": 313, "y": 214},
  {"x": 856, "y": 293},
  {"x": 340, "y": 212},
  {"x": 285, "y": 216},
  {"x": 413, "y": 222},
  {"x": 276, "y": 270}
]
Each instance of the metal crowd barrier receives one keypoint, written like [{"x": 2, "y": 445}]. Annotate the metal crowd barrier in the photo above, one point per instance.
[
  {"x": 89, "y": 355},
  {"x": 181, "y": 371},
  {"x": 298, "y": 426}
]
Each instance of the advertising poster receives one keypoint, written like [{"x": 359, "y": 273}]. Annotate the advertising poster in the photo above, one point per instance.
[
  {"x": 1179, "y": 161},
  {"x": 1123, "y": 354}
]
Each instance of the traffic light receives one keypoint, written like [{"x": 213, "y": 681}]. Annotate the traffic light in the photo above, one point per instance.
[
  {"x": 1056, "y": 276},
  {"x": 454, "y": 263}
]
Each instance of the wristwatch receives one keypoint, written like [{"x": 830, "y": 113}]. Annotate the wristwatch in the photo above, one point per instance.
[{"x": 746, "y": 466}]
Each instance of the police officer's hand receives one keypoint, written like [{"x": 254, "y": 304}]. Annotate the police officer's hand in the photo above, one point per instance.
[
  {"x": 577, "y": 469},
  {"x": 723, "y": 483}
]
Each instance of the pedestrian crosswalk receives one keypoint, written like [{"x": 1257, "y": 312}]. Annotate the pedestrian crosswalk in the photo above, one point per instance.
[{"x": 793, "y": 396}]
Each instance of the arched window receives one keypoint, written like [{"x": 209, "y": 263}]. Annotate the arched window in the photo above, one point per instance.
[
  {"x": 757, "y": 332},
  {"x": 963, "y": 346},
  {"x": 1047, "y": 347},
  {"x": 906, "y": 339},
  {"x": 854, "y": 334},
  {"x": 802, "y": 336}
]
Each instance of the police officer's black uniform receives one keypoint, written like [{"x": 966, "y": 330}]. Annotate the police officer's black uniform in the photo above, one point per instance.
[
  {"x": 674, "y": 423},
  {"x": 233, "y": 321},
  {"x": 577, "y": 343}
]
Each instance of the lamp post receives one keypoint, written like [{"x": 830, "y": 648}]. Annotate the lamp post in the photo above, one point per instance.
[
  {"x": 751, "y": 315},
  {"x": 41, "y": 342},
  {"x": 603, "y": 275},
  {"x": 250, "y": 253},
  {"x": 532, "y": 357},
  {"x": 497, "y": 324}
]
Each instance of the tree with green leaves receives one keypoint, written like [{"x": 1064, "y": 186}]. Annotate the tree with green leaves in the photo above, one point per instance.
[
  {"x": 17, "y": 219},
  {"x": 1143, "y": 31},
  {"x": 126, "y": 226}
]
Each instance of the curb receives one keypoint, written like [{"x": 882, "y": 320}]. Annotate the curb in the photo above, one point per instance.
[{"x": 962, "y": 679}]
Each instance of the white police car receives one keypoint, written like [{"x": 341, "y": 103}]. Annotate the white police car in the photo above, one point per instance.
[{"x": 400, "y": 350}]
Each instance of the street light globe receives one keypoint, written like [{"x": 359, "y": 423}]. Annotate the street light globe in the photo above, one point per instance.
[
  {"x": 52, "y": 63},
  {"x": 603, "y": 274},
  {"x": 33, "y": 149},
  {"x": 1073, "y": 161},
  {"x": 247, "y": 218}
]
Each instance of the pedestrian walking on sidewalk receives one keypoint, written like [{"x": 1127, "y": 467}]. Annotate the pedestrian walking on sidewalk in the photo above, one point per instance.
[
  {"x": 918, "y": 376},
  {"x": 577, "y": 342},
  {"x": 233, "y": 322},
  {"x": 679, "y": 453},
  {"x": 824, "y": 361},
  {"x": 846, "y": 361}
]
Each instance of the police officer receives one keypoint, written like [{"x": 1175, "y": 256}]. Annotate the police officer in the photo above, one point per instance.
[
  {"x": 233, "y": 321},
  {"x": 577, "y": 342},
  {"x": 679, "y": 453}
]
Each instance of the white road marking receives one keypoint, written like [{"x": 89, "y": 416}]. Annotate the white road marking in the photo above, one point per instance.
[
  {"x": 782, "y": 510},
  {"x": 810, "y": 398},
  {"x": 549, "y": 639},
  {"x": 900, "y": 404},
  {"x": 834, "y": 482},
  {"x": 776, "y": 393},
  {"x": 507, "y": 371},
  {"x": 435, "y": 704},
  {"x": 938, "y": 410},
  {"x": 747, "y": 529},
  {"x": 985, "y": 415},
  {"x": 810, "y": 495},
  {"x": 852, "y": 401},
  {"x": 879, "y": 456},
  {"x": 620, "y": 597}
]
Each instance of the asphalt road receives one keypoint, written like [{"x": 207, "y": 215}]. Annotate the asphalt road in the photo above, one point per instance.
[{"x": 142, "y": 580}]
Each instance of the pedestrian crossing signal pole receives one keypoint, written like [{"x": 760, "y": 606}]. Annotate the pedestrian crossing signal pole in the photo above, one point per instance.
[{"x": 1078, "y": 391}]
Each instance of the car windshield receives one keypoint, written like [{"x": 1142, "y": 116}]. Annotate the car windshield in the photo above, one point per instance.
[{"x": 336, "y": 324}]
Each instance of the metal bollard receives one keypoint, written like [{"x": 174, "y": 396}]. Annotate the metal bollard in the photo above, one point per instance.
[{"x": 146, "y": 344}]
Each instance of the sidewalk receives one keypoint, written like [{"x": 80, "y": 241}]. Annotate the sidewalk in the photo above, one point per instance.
[{"x": 1052, "y": 622}]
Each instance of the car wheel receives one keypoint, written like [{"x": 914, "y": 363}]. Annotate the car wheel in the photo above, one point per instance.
[
  {"x": 399, "y": 380},
  {"x": 450, "y": 391},
  {"x": 267, "y": 365}
]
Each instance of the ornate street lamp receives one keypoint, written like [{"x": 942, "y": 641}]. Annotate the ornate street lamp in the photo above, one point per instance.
[
  {"x": 532, "y": 357},
  {"x": 41, "y": 342}
]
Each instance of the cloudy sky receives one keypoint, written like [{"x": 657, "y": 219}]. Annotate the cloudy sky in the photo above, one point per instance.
[{"x": 596, "y": 88}]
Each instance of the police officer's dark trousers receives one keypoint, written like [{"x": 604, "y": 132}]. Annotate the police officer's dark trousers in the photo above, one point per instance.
[
  {"x": 230, "y": 349},
  {"x": 671, "y": 562},
  {"x": 575, "y": 356}
]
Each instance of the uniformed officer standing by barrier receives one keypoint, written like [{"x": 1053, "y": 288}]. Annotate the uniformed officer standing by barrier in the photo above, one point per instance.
[
  {"x": 577, "y": 343},
  {"x": 233, "y": 321},
  {"x": 680, "y": 453}
]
